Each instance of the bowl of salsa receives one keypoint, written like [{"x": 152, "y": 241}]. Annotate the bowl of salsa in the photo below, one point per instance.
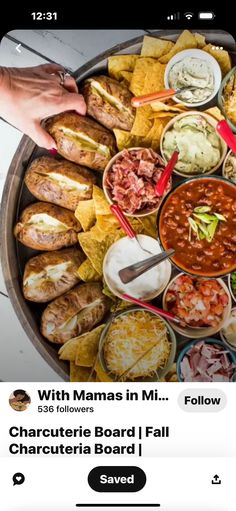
[{"x": 198, "y": 220}]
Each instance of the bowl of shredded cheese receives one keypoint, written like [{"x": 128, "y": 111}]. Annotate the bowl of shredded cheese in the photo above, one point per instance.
[{"x": 137, "y": 345}]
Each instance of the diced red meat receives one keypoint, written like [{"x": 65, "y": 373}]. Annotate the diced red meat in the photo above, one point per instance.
[{"x": 135, "y": 172}]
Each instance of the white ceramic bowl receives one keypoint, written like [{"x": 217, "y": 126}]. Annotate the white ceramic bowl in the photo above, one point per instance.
[
  {"x": 213, "y": 123},
  {"x": 166, "y": 266},
  {"x": 199, "y": 332},
  {"x": 200, "y": 54}
]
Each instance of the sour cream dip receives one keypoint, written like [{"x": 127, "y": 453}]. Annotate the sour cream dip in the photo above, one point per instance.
[
  {"x": 125, "y": 252},
  {"x": 192, "y": 72}
]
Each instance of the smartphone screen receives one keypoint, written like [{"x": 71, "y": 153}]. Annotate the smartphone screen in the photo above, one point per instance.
[{"x": 118, "y": 264}]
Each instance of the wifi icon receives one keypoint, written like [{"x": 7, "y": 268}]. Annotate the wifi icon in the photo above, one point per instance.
[{"x": 188, "y": 15}]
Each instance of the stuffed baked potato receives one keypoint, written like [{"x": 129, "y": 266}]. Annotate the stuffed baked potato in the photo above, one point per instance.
[
  {"x": 60, "y": 182},
  {"x": 109, "y": 102},
  {"x": 74, "y": 313},
  {"x": 50, "y": 274},
  {"x": 82, "y": 140},
  {"x": 44, "y": 226}
]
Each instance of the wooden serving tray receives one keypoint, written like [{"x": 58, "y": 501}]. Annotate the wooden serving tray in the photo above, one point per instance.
[{"x": 16, "y": 197}]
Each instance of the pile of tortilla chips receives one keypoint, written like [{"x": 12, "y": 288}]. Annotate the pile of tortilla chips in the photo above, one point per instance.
[
  {"x": 82, "y": 353},
  {"x": 144, "y": 74},
  {"x": 101, "y": 230}
]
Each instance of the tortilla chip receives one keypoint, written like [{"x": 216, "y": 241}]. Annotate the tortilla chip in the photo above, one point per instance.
[
  {"x": 163, "y": 115},
  {"x": 159, "y": 106},
  {"x": 87, "y": 273},
  {"x": 87, "y": 347},
  {"x": 141, "y": 68},
  {"x": 102, "y": 207},
  {"x": 222, "y": 57},
  {"x": 127, "y": 76},
  {"x": 201, "y": 40},
  {"x": 68, "y": 350},
  {"x": 107, "y": 223},
  {"x": 97, "y": 234},
  {"x": 119, "y": 63},
  {"x": 154, "y": 79},
  {"x": 185, "y": 40},
  {"x": 81, "y": 374},
  {"x": 94, "y": 250},
  {"x": 154, "y": 47},
  {"x": 124, "y": 139},
  {"x": 153, "y": 137},
  {"x": 142, "y": 123},
  {"x": 102, "y": 375},
  {"x": 149, "y": 225},
  {"x": 85, "y": 213},
  {"x": 215, "y": 112}
]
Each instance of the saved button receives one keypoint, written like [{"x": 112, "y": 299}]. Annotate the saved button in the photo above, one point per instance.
[{"x": 117, "y": 479}]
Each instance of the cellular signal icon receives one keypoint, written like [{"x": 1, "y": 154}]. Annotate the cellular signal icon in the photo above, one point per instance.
[{"x": 172, "y": 17}]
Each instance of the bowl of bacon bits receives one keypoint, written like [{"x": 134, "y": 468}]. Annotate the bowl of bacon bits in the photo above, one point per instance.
[
  {"x": 207, "y": 360},
  {"x": 130, "y": 179}
]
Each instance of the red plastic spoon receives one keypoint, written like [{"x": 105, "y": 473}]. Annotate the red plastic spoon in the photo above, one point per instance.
[
  {"x": 163, "y": 181},
  {"x": 128, "y": 229},
  {"x": 227, "y": 134},
  {"x": 152, "y": 308}
]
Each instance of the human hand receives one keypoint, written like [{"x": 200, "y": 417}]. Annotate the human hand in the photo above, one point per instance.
[{"x": 29, "y": 95}]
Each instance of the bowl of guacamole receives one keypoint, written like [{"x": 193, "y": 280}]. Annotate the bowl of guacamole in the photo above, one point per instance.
[{"x": 193, "y": 135}]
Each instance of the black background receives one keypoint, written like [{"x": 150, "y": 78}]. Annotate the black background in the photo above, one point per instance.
[{"x": 79, "y": 14}]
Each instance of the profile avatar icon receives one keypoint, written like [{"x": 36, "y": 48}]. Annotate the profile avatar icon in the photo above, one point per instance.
[{"x": 19, "y": 400}]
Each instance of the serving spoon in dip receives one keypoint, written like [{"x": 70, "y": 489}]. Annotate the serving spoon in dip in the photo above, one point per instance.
[
  {"x": 138, "y": 101},
  {"x": 131, "y": 272}
]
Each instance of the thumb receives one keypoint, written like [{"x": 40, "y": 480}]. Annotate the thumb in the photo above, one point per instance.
[
  {"x": 72, "y": 101},
  {"x": 41, "y": 137}
]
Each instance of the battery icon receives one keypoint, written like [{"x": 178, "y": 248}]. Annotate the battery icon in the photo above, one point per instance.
[{"x": 206, "y": 15}]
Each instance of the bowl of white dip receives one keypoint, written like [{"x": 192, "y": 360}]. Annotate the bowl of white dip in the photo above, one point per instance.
[
  {"x": 197, "y": 69},
  {"x": 125, "y": 252}
]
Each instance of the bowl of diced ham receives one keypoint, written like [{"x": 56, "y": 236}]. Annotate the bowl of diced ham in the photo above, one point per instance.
[
  {"x": 207, "y": 360},
  {"x": 130, "y": 178}
]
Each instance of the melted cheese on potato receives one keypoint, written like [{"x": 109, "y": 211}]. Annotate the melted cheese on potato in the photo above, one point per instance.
[
  {"x": 51, "y": 272},
  {"x": 71, "y": 322},
  {"x": 66, "y": 182},
  {"x": 45, "y": 222},
  {"x": 108, "y": 97},
  {"x": 85, "y": 143}
]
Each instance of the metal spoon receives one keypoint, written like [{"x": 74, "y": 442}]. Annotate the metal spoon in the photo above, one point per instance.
[{"x": 133, "y": 271}]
